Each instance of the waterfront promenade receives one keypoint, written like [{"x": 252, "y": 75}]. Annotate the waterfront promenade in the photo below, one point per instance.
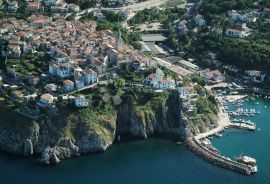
[
  {"x": 223, "y": 122},
  {"x": 194, "y": 144}
]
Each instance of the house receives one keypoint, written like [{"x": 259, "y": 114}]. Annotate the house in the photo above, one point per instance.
[
  {"x": 51, "y": 87},
  {"x": 12, "y": 6},
  {"x": 52, "y": 2},
  {"x": 214, "y": 75},
  {"x": 256, "y": 76},
  {"x": 199, "y": 20},
  {"x": 53, "y": 68},
  {"x": 33, "y": 80},
  {"x": 182, "y": 26},
  {"x": 13, "y": 51},
  {"x": 235, "y": 33},
  {"x": 63, "y": 72},
  {"x": 249, "y": 18},
  {"x": 80, "y": 101},
  {"x": 234, "y": 15},
  {"x": 68, "y": 85},
  {"x": 165, "y": 84},
  {"x": 79, "y": 83},
  {"x": 90, "y": 76},
  {"x": 73, "y": 8},
  {"x": 59, "y": 9},
  {"x": 156, "y": 80},
  {"x": 45, "y": 100},
  {"x": 100, "y": 67},
  {"x": 185, "y": 91},
  {"x": 28, "y": 49},
  {"x": 33, "y": 7}
]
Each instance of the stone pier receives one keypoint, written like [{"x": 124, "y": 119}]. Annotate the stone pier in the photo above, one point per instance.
[{"x": 194, "y": 145}]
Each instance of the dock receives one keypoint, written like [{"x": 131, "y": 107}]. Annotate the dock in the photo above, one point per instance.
[
  {"x": 195, "y": 146},
  {"x": 245, "y": 126}
]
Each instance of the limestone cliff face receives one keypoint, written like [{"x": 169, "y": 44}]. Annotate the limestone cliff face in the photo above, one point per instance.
[
  {"x": 18, "y": 138},
  {"x": 59, "y": 138},
  {"x": 86, "y": 130},
  {"x": 162, "y": 117}
]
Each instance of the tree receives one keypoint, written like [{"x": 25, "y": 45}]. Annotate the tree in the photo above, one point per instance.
[{"x": 70, "y": 18}]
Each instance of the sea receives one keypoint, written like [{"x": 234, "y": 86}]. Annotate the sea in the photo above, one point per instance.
[{"x": 153, "y": 161}]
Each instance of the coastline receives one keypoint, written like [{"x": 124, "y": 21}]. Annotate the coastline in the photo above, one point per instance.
[{"x": 196, "y": 146}]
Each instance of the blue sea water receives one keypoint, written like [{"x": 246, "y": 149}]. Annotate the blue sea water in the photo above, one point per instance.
[{"x": 154, "y": 161}]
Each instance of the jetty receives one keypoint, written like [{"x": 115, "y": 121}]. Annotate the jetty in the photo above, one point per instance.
[
  {"x": 194, "y": 145},
  {"x": 247, "y": 126},
  {"x": 212, "y": 156}
]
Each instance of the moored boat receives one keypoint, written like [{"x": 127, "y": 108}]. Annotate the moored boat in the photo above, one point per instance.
[{"x": 248, "y": 161}]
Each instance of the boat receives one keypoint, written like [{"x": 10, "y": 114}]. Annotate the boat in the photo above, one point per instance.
[
  {"x": 248, "y": 161},
  {"x": 218, "y": 135}
]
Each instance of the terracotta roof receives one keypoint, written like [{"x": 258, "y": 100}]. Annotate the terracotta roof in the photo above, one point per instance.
[
  {"x": 89, "y": 71},
  {"x": 214, "y": 73},
  {"x": 152, "y": 75},
  {"x": 47, "y": 96},
  {"x": 67, "y": 82}
]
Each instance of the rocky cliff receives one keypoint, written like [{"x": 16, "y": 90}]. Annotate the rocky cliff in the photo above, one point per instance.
[
  {"x": 161, "y": 114},
  {"x": 76, "y": 132}
]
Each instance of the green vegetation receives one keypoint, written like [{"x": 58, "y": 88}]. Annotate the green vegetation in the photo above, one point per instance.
[
  {"x": 128, "y": 37},
  {"x": 205, "y": 114},
  {"x": 70, "y": 18},
  {"x": 172, "y": 3},
  {"x": 102, "y": 124},
  {"x": 200, "y": 80},
  {"x": 246, "y": 54},
  {"x": 265, "y": 3},
  {"x": 84, "y": 4},
  {"x": 207, "y": 105},
  {"x": 114, "y": 17},
  {"x": 152, "y": 15},
  {"x": 31, "y": 65},
  {"x": 212, "y": 9},
  {"x": 117, "y": 86}
]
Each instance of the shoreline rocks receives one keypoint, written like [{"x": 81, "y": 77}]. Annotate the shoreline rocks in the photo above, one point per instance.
[
  {"x": 63, "y": 149},
  {"x": 28, "y": 149}
]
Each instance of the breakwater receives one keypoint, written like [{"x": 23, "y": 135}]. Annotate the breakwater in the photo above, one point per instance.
[
  {"x": 194, "y": 145},
  {"x": 243, "y": 126}
]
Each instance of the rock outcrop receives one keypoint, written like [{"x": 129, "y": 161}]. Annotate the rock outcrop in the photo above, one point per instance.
[
  {"x": 87, "y": 130},
  {"x": 63, "y": 149},
  {"x": 28, "y": 148},
  {"x": 162, "y": 117}
]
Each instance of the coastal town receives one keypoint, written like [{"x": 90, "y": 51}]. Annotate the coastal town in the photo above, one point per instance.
[{"x": 55, "y": 55}]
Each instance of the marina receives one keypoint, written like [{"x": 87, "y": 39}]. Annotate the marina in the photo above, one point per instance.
[{"x": 203, "y": 147}]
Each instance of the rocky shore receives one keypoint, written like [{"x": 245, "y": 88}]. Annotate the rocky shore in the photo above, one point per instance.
[
  {"x": 80, "y": 132},
  {"x": 83, "y": 131}
]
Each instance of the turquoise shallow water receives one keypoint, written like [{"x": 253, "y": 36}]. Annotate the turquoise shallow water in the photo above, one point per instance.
[{"x": 153, "y": 161}]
